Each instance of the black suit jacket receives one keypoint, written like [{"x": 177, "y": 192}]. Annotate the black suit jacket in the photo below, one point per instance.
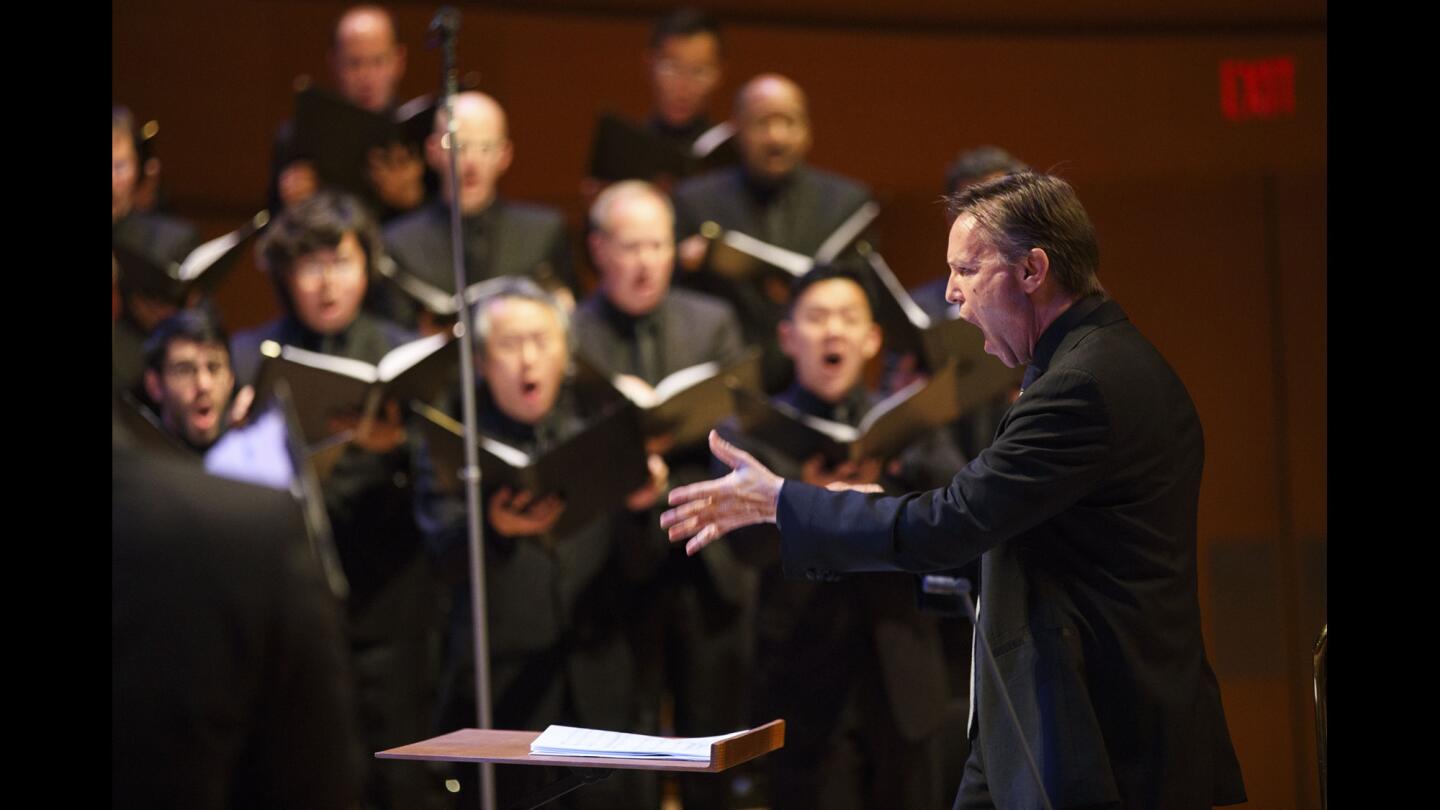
[
  {"x": 167, "y": 239},
  {"x": 797, "y": 215},
  {"x": 286, "y": 152},
  {"x": 367, "y": 338},
  {"x": 229, "y": 684},
  {"x": 520, "y": 239},
  {"x": 163, "y": 237},
  {"x": 554, "y": 600},
  {"x": 369, "y": 496},
  {"x": 1084, "y": 509},
  {"x": 809, "y": 627},
  {"x": 693, "y": 328},
  {"x": 814, "y": 203}
]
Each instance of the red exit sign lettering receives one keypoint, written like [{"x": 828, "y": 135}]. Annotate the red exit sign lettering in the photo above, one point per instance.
[{"x": 1257, "y": 88}]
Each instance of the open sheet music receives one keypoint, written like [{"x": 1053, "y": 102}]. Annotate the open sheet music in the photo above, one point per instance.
[{"x": 568, "y": 741}]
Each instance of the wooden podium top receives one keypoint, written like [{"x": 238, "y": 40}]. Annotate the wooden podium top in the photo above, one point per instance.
[{"x": 513, "y": 748}]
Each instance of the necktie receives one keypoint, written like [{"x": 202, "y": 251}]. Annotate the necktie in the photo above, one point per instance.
[
  {"x": 647, "y": 351},
  {"x": 477, "y": 252}
]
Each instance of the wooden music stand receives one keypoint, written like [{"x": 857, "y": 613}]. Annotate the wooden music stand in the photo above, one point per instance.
[{"x": 513, "y": 748}]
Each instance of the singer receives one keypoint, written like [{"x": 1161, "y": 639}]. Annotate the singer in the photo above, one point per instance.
[{"x": 1083, "y": 512}]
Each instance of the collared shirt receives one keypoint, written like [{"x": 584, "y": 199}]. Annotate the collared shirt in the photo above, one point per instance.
[
  {"x": 1054, "y": 333},
  {"x": 685, "y": 134},
  {"x": 849, "y": 410},
  {"x": 645, "y": 335}
]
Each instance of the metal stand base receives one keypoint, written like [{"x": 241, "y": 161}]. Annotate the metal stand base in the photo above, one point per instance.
[{"x": 574, "y": 779}]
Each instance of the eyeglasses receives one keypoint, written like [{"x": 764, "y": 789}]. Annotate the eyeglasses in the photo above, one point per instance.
[
  {"x": 670, "y": 69},
  {"x": 513, "y": 345},
  {"x": 479, "y": 149},
  {"x": 309, "y": 273},
  {"x": 187, "y": 372}
]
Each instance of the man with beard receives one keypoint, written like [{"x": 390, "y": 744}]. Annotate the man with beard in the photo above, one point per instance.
[{"x": 188, "y": 374}]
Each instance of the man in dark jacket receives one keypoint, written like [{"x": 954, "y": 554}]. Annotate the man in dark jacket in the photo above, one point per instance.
[
  {"x": 555, "y": 583},
  {"x": 229, "y": 685},
  {"x": 862, "y": 736},
  {"x": 691, "y": 627},
  {"x": 499, "y": 237},
  {"x": 1084, "y": 509},
  {"x": 320, "y": 254}
]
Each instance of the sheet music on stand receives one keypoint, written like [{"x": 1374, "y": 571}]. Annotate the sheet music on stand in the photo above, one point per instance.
[
  {"x": 593, "y": 742},
  {"x": 512, "y": 747}
]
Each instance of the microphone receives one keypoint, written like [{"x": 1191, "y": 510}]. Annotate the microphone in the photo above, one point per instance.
[{"x": 443, "y": 27}]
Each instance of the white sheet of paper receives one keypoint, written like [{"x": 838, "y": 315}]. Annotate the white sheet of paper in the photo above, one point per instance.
[{"x": 589, "y": 742}]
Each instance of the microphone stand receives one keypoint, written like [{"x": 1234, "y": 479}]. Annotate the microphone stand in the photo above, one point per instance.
[{"x": 445, "y": 28}]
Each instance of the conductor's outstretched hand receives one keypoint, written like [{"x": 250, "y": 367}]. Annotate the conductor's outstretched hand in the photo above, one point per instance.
[{"x": 710, "y": 509}]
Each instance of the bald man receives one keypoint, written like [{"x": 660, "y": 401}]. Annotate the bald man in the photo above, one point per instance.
[
  {"x": 367, "y": 58},
  {"x": 632, "y": 244},
  {"x": 690, "y": 632},
  {"x": 367, "y": 62},
  {"x": 501, "y": 237},
  {"x": 773, "y": 195}
]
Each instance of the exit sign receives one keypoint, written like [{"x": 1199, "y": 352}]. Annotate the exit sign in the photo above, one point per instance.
[{"x": 1257, "y": 88}]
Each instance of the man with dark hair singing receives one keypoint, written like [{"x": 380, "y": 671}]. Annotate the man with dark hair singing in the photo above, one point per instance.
[
  {"x": 321, "y": 254},
  {"x": 188, "y": 376}
]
